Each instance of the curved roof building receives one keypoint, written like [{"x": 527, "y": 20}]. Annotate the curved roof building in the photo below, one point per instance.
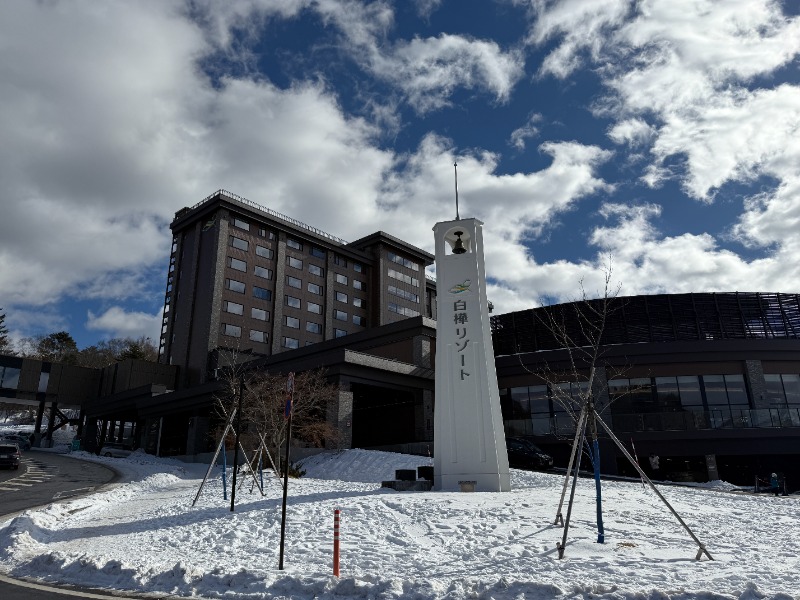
[{"x": 708, "y": 382}]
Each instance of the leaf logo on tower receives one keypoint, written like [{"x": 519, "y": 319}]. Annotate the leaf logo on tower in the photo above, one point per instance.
[{"x": 460, "y": 288}]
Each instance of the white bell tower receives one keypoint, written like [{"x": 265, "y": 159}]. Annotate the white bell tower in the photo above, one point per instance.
[{"x": 469, "y": 443}]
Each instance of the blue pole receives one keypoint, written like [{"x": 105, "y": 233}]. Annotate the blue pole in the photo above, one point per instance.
[
  {"x": 261, "y": 471},
  {"x": 596, "y": 451},
  {"x": 224, "y": 471}
]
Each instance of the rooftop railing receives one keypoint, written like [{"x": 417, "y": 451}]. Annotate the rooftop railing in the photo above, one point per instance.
[{"x": 270, "y": 212}]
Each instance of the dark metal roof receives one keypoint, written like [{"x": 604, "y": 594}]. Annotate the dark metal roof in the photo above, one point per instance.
[{"x": 658, "y": 318}]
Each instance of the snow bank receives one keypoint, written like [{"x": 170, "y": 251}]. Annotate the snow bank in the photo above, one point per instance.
[{"x": 145, "y": 536}]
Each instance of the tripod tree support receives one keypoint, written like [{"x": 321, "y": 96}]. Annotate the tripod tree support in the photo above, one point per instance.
[
  {"x": 701, "y": 546},
  {"x": 288, "y": 416},
  {"x": 582, "y": 433},
  {"x": 220, "y": 446},
  {"x": 601, "y": 536},
  {"x": 581, "y": 419},
  {"x": 236, "y": 443}
]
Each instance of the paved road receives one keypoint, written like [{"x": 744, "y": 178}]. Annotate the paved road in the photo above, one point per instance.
[{"x": 45, "y": 477}]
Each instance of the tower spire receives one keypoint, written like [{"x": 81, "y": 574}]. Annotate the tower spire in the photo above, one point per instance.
[{"x": 455, "y": 168}]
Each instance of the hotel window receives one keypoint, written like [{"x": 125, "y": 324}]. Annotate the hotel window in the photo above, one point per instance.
[
  {"x": 233, "y": 308},
  {"x": 241, "y": 223},
  {"x": 313, "y": 327},
  {"x": 239, "y": 243},
  {"x": 403, "y": 277},
  {"x": 267, "y": 234},
  {"x": 289, "y": 342},
  {"x": 294, "y": 244},
  {"x": 358, "y": 302},
  {"x": 341, "y": 279},
  {"x": 261, "y": 293},
  {"x": 315, "y": 270},
  {"x": 359, "y": 285},
  {"x": 318, "y": 252},
  {"x": 292, "y": 322},
  {"x": 231, "y": 330},
  {"x": 264, "y": 252},
  {"x": 293, "y": 262},
  {"x": 294, "y": 282},
  {"x": 314, "y": 288},
  {"x": 359, "y": 320},
  {"x": 259, "y": 313},
  {"x": 358, "y": 268},
  {"x": 340, "y": 261},
  {"x": 292, "y": 301},
  {"x": 341, "y": 297},
  {"x": 314, "y": 308},
  {"x": 340, "y": 315},
  {"x": 402, "y": 310},
  {"x": 402, "y": 261},
  {"x": 237, "y": 264},
  {"x": 262, "y": 272},
  {"x": 234, "y": 286},
  {"x": 404, "y": 294},
  {"x": 339, "y": 333},
  {"x": 259, "y": 336}
]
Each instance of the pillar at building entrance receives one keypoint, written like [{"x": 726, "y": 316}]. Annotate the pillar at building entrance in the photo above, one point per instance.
[{"x": 469, "y": 444}]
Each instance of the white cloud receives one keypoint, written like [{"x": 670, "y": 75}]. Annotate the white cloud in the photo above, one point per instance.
[
  {"x": 691, "y": 82},
  {"x": 427, "y": 70},
  {"x": 116, "y": 322},
  {"x": 773, "y": 219},
  {"x": 101, "y": 149},
  {"x": 645, "y": 261},
  {"x": 690, "y": 67},
  {"x": 515, "y": 207},
  {"x": 221, "y": 19},
  {"x": 634, "y": 132},
  {"x": 579, "y": 25},
  {"x": 735, "y": 137},
  {"x": 425, "y": 8},
  {"x": 527, "y": 131}
]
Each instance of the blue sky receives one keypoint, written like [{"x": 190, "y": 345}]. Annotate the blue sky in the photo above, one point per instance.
[{"x": 661, "y": 137}]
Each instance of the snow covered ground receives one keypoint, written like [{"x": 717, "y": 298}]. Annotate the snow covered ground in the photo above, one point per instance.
[{"x": 145, "y": 536}]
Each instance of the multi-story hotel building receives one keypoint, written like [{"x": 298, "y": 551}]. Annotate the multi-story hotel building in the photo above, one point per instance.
[{"x": 245, "y": 277}]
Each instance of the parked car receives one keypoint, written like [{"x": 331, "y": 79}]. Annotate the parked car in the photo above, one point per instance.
[
  {"x": 9, "y": 455},
  {"x": 115, "y": 449},
  {"x": 524, "y": 454},
  {"x": 21, "y": 439}
]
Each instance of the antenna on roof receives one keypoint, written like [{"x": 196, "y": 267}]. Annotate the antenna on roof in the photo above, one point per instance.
[{"x": 455, "y": 168}]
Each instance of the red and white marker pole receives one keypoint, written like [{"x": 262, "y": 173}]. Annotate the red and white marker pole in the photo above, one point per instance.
[{"x": 336, "y": 542}]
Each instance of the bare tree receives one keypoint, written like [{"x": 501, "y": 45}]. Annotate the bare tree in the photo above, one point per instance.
[
  {"x": 578, "y": 328},
  {"x": 264, "y": 398},
  {"x": 265, "y": 406},
  {"x": 107, "y": 352}
]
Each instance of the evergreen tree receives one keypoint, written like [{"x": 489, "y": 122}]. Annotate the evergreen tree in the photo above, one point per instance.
[
  {"x": 5, "y": 343},
  {"x": 57, "y": 347}
]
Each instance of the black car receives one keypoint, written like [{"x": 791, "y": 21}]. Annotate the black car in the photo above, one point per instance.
[
  {"x": 523, "y": 454},
  {"x": 9, "y": 455},
  {"x": 22, "y": 440}
]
